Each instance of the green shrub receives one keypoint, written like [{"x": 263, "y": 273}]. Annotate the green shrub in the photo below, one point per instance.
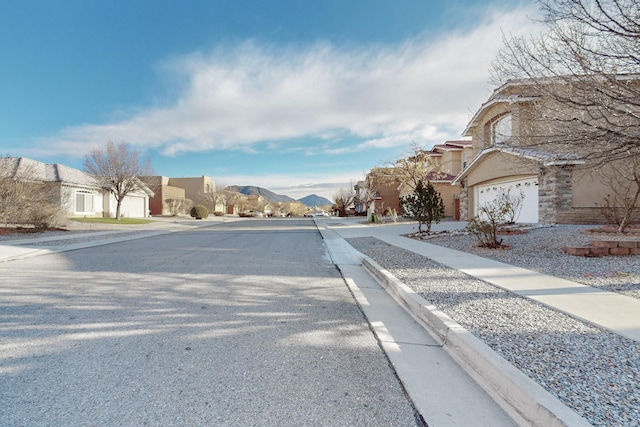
[
  {"x": 424, "y": 205},
  {"x": 199, "y": 212}
]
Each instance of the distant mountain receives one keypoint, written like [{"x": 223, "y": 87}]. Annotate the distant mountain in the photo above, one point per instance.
[
  {"x": 315, "y": 200},
  {"x": 250, "y": 190}
]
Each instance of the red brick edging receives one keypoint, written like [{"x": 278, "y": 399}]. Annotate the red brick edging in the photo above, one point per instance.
[{"x": 605, "y": 247}]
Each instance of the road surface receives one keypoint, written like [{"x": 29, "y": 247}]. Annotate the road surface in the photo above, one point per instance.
[{"x": 242, "y": 323}]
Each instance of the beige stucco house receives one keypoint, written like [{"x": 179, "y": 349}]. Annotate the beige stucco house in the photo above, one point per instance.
[
  {"x": 559, "y": 185},
  {"x": 175, "y": 196},
  {"x": 168, "y": 199},
  {"x": 450, "y": 157}
]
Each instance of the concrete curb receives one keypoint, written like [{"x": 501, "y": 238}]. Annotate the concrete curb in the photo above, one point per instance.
[{"x": 522, "y": 398}]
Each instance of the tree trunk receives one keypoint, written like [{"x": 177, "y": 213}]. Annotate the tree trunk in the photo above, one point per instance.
[{"x": 118, "y": 202}]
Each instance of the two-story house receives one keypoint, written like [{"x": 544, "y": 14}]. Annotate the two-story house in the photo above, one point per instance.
[
  {"x": 450, "y": 158},
  {"x": 559, "y": 184}
]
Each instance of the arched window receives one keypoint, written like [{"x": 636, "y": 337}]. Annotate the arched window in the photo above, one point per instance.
[{"x": 501, "y": 130}]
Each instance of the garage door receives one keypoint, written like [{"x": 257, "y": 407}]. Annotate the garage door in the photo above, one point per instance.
[
  {"x": 528, "y": 187},
  {"x": 133, "y": 207}
]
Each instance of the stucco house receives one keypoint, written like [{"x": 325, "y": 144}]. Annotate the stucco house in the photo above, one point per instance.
[
  {"x": 175, "y": 196},
  {"x": 168, "y": 199},
  {"x": 559, "y": 185},
  {"x": 74, "y": 190},
  {"x": 451, "y": 158}
]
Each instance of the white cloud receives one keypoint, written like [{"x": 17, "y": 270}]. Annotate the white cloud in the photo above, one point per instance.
[{"x": 423, "y": 89}]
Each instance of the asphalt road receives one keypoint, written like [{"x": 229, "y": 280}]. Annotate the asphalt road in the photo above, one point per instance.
[{"x": 243, "y": 323}]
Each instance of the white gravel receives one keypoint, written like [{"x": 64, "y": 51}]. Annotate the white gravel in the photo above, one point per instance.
[
  {"x": 540, "y": 249},
  {"x": 593, "y": 371}
]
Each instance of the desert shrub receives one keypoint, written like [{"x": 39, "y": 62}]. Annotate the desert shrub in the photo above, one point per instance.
[
  {"x": 393, "y": 214},
  {"x": 485, "y": 225},
  {"x": 199, "y": 212},
  {"x": 45, "y": 216},
  {"x": 504, "y": 209},
  {"x": 512, "y": 204},
  {"x": 174, "y": 206}
]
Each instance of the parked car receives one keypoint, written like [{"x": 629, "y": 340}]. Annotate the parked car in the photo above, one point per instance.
[
  {"x": 319, "y": 213},
  {"x": 250, "y": 213}
]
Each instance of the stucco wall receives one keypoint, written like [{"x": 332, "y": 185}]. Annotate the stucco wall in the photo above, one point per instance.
[
  {"x": 500, "y": 165},
  {"x": 195, "y": 187},
  {"x": 591, "y": 185},
  {"x": 448, "y": 193},
  {"x": 390, "y": 197}
]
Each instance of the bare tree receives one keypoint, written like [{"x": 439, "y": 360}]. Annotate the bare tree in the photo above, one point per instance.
[
  {"x": 586, "y": 65},
  {"x": 210, "y": 200},
  {"x": 407, "y": 171},
  {"x": 365, "y": 193},
  {"x": 118, "y": 170},
  {"x": 344, "y": 199},
  {"x": 294, "y": 208},
  {"x": 229, "y": 198},
  {"x": 623, "y": 181}
]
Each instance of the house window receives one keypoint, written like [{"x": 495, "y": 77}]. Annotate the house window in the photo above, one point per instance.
[
  {"x": 464, "y": 160},
  {"x": 501, "y": 130},
  {"x": 84, "y": 202}
]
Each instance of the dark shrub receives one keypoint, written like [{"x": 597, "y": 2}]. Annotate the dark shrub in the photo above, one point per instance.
[{"x": 199, "y": 212}]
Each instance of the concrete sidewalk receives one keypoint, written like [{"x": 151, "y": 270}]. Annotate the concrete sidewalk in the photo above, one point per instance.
[{"x": 95, "y": 234}]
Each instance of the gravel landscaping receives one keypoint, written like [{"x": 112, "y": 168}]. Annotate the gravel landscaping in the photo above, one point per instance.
[
  {"x": 540, "y": 249},
  {"x": 593, "y": 371}
]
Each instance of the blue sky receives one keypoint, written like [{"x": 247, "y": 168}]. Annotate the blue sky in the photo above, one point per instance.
[{"x": 296, "y": 96}]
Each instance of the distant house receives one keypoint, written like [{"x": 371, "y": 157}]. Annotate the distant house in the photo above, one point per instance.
[
  {"x": 175, "y": 196},
  {"x": 387, "y": 192},
  {"x": 75, "y": 191},
  {"x": 198, "y": 189},
  {"x": 168, "y": 200},
  {"x": 556, "y": 185},
  {"x": 451, "y": 157}
]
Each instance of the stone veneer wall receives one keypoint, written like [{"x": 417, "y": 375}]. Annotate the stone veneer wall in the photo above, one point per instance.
[
  {"x": 554, "y": 193},
  {"x": 464, "y": 201}
]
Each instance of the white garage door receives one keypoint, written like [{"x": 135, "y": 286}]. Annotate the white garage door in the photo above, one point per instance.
[
  {"x": 528, "y": 186},
  {"x": 133, "y": 207}
]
